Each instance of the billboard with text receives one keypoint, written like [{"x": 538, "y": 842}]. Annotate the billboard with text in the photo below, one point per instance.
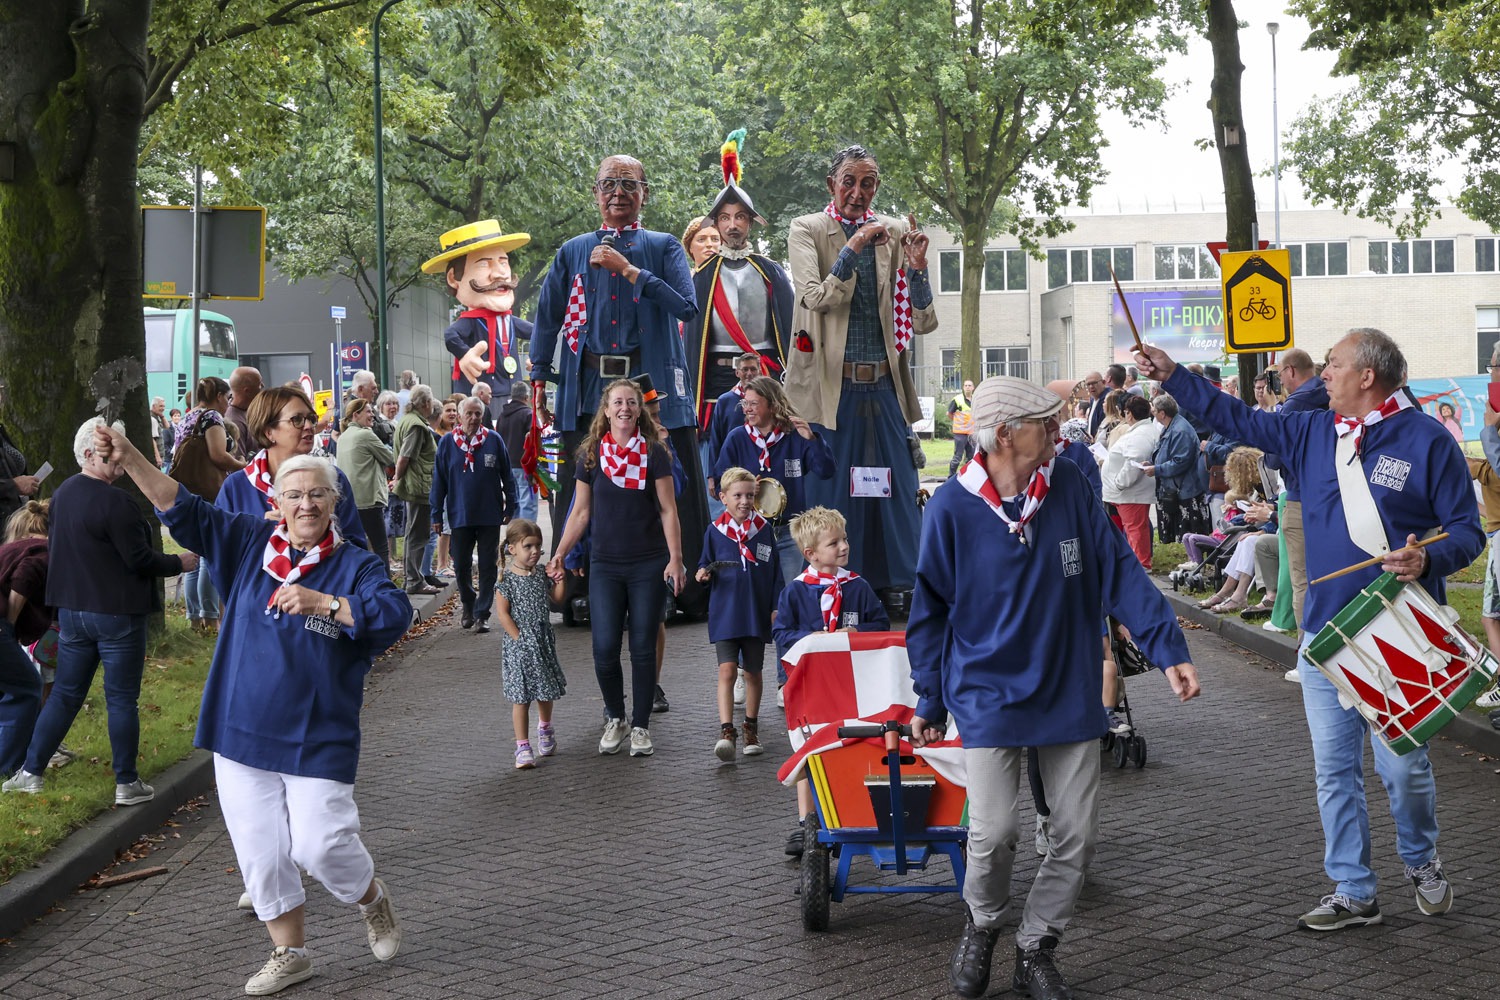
[{"x": 1186, "y": 323}]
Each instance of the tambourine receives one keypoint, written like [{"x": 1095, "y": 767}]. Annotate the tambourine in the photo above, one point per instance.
[{"x": 770, "y": 498}]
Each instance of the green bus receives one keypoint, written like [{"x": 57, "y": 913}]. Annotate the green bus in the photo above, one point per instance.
[{"x": 169, "y": 358}]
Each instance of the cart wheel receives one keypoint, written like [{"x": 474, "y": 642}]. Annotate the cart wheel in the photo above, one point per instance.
[
  {"x": 1120, "y": 751},
  {"x": 815, "y": 881},
  {"x": 1107, "y": 741},
  {"x": 1139, "y": 752}
]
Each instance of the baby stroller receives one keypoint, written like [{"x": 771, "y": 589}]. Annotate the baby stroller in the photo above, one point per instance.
[
  {"x": 1209, "y": 574},
  {"x": 1128, "y": 747}
]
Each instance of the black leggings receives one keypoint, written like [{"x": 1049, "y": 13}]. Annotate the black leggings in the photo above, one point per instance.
[{"x": 1034, "y": 775}]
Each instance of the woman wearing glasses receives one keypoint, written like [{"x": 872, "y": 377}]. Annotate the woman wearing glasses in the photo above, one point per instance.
[
  {"x": 305, "y": 614},
  {"x": 282, "y": 425}
]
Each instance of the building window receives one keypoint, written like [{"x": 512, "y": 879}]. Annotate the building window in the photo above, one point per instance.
[
  {"x": 950, "y": 272},
  {"x": 1004, "y": 270},
  {"x": 1089, "y": 264},
  {"x": 1315, "y": 260},
  {"x": 1487, "y": 321},
  {"x": 1184, "y": 262},
  {"x": 1013, "y": 361},
  {"x": 1411, "y": 256},
  {"x": 1484, "y": 254}
]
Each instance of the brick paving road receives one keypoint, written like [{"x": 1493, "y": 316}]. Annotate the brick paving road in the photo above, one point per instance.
[{"x": 606, "y": 877}]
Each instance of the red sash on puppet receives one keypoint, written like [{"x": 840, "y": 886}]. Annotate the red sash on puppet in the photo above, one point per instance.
[
  {"x": 739, "y": 533},
  {"x": 276, "y": 560},
  {"x": 497, "y": 324}
]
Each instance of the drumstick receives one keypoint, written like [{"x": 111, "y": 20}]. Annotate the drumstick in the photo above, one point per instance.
[
  {"x": 1371, "y": 562},
  {"x": 1140, "y": 348}
]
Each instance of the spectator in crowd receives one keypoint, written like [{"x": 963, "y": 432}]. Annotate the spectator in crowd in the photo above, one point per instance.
[
  {"x": 207, "y": 419},
  {"x": 244, "y": 385},
  {"x": 363, "y": 386},
  {"x": 1181, "y": 476},
  {"x": 1266, "y": 398},
  {"x": 416, "y": 450},
  {"x": 100, "y": 571},
  {"x": 307, "y": 613},
  {"x": 1305, "y": 392},
  {"x": 961, "y": 418},
  {"x": 437, "y": 560},
  {"x": 486, "y": 395},
  {"x": 1486, "y": 472},
  {"x": 362, "y": 460},
  {"x": 1132, "y": 385},
  {"x": 626, "y": 497},
  {"x": 514, "y": 425},
  {"x": 23, "y": 576},
  {"x": 407, "y": 381},
  {"x": 388, "y": 405},
  {"x": 472, "y": 491},
  {"x": 1113, "y": 425},
  {"x": 700, "y": 240},
  {"x": 15, "y": 484},
  {"x": 1125, "y": 482},
  {"x": 158, "y": 426}
]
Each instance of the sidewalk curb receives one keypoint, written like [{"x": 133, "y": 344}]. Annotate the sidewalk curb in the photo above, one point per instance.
[
  {"x": 93, "y": 846},
  {"x": 1467, "y": 729}
]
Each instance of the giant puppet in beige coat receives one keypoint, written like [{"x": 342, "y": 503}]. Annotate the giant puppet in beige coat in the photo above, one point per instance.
[{"x": 820, "y": 318}]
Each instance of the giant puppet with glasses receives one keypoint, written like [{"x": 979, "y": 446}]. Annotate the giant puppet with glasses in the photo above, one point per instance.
[{"x": 475, "y": 259}]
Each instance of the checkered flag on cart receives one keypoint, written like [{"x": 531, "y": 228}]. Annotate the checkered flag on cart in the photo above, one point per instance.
[{"x": 576, "y": 319}]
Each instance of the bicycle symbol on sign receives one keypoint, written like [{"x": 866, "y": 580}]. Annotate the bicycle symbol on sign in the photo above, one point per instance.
[{"x": 1257, "y": 307}]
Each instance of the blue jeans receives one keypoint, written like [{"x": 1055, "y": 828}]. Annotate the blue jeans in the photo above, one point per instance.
[
  {"x": 525, "y": 494},
  {"x": 86, "y": 639},
  {"x": 1338, "y": 738},
  {"x": 706, "y": 459},
  {"x": 199, "y": 595},
  {"x": 20, "y": 699},
  {"x": 615, "y": 591}
]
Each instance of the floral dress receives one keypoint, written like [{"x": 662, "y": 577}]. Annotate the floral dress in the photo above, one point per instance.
[{"x": 529, "y": 664}]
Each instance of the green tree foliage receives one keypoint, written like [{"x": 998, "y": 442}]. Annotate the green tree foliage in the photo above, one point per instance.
[
  {"x": 984, "y": 116},
  {"x": 1422, "y": 104}
]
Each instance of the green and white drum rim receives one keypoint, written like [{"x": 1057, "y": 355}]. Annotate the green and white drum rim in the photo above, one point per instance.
[{"x": 1356, "y": 616}]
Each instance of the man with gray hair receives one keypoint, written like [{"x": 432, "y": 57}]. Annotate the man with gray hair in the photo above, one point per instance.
[
  {"x": 416, "y": 451},
  {"x": 244, "y": 386},
  {"x": 1376, "y": 472},
  {"x": 363, "y": 385},
  {"x": 514, "y": 424},
  {"x": 471, "y": 483},
  {"x": 1016, "y": 662}
]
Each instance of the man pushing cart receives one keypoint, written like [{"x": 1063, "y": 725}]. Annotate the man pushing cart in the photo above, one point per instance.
[{"x": 1016, "y": 663}]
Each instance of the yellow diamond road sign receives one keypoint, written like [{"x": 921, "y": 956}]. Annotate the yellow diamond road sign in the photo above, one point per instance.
[{"x": 1257, "y": 300}]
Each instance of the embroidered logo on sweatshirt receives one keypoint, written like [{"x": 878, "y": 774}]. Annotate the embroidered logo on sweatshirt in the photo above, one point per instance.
[
  {"x": 1072, "y": 557},
  {"x": 1390, "y": 473}
]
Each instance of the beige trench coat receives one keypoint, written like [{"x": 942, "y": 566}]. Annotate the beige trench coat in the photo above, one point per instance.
[{"x": 815, "y": 380}]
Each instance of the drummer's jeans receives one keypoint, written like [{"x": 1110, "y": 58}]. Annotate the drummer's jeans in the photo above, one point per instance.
[
  {"x": 1338, "y": 739},
  {"x": 1070, "y": 773}
]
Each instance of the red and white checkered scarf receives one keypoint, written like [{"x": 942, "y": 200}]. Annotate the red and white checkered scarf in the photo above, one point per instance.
[
  {"x": 576, "y": 318},
  {"x": 976, "y": 480},
  {"x": 624, "y": 465},
  {"x": 277, "y": 560},
  {"x": 622, "y": 230},
  {"x": 832, "y": 600},
  {"x": 470, "y": 445},
  {"x": 740, "y": 533},
  {"x": 764, "y": 443},
  {"x": 1397, "y": 402},
  {"x": 258, "y": 471},
  {"x": 833, "y": 213},
  {"x": 901, "y": 312}
]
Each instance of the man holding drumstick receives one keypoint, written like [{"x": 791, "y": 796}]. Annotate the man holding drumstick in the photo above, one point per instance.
[{"x": 1406, "y": 473}]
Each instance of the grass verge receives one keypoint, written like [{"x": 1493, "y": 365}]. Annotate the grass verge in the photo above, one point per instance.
[{"x": 171, "y": 689}]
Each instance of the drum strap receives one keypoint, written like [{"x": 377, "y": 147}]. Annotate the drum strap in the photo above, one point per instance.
[{"x": 1360, "y": 513}]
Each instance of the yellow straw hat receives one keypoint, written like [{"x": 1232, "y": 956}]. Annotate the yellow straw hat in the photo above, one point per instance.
[{"x": 465, "y": 240}]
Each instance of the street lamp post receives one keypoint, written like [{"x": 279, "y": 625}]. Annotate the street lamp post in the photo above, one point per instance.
[
  {"x": 382, "y": 332},
  {"x": 1272, "y": 27}
]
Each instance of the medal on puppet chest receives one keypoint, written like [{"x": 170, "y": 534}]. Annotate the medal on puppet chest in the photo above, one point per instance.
[{"x": 510, "y": 365}]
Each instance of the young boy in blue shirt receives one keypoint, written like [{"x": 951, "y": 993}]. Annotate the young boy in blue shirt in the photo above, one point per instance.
[
  {"x": 824, "y": 597},
  {"x": 739, "y": 560}
]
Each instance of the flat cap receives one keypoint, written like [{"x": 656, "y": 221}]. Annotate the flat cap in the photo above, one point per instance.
[{"x": 1000, "y": 398}]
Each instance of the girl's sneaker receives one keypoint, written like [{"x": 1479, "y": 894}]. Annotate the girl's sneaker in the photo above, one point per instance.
[
  {"x": 752, "y": 739},
  {"x": 724, "y": 749},
  {"x": 524, "y": 757},
  {"x": 546, "y": 741}
]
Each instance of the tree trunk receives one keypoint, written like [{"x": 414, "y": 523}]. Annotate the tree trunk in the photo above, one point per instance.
[
  {"x": 1234, "y": 156},
  {"x": 969, "y": 364},
  {"x": 73, "y": 84}
]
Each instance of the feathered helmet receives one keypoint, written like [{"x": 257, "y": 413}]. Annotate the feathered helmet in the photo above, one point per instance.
[{"x": 729, "y": 158}]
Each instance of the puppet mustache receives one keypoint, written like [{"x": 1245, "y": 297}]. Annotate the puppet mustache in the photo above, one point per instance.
[{"x": 499, "y": 286}]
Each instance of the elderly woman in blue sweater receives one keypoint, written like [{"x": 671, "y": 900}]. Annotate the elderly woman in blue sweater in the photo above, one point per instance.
[
  {"x": 1016, "y": 663},
  {"x": 305, "y": 614}
]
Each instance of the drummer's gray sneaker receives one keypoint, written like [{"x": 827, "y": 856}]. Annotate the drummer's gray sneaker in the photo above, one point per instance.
[
  {"x": 1434, "y": 894},
  {"x": 1337, "y": 911}
]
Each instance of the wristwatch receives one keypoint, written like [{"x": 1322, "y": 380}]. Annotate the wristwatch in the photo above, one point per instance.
[{"x": 333, "y": 606}]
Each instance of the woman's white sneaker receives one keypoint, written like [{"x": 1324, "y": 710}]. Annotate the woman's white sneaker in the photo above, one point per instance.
[
  {"x": 640, "y": 742},
  {"x": 281, "y": 970}
]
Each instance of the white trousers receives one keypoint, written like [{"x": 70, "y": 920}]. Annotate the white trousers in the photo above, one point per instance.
[
  {"x": 281, "y": 823},
  {"x": 1070, "y": 773}
]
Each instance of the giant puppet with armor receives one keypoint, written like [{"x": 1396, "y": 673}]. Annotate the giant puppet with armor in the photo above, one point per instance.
[
  {"x": 484, "y": 339},
  {"x": 744, "y": 299}
]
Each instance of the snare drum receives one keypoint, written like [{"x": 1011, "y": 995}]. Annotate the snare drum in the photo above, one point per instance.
[{"x": 1402, "y": 660}]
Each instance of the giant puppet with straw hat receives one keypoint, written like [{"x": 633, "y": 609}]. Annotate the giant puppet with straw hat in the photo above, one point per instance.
[
  {"x": 475, "y": 259},
  {"x": 744, "y": 301}
]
